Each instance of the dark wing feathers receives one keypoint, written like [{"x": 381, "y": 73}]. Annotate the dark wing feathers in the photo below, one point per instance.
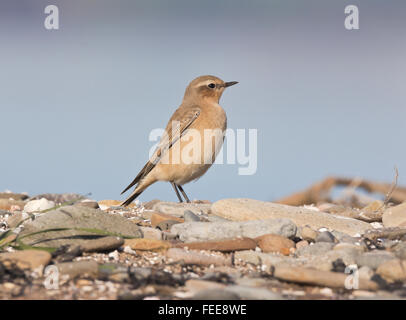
[{"x": 183, "y": 117}]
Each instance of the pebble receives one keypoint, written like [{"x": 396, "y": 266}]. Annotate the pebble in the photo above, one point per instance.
[
  {"x": 166, "y": 225},
  {"x": 203, "y": 231},
  {"x": 196, "y": 258},
  {"x": 151, "y": 233},
  {"x": 302, "y": 244},
  {"x": 88, "y": 203},
  {"x": 395, "y": 216},
  {"x": 249, "y": 209},
  {"x": 224, "y": 246},
  {"x": 14, "y": 196},
  {"x": 342, "y": 237},
  {"x": 157, "y": 218},
  {"x": 365, "y": 273},
  {"x": 349, "y": 246},
  {"x": 114, "y": 203},
  {"x": 14, "y": 219},
  {"x": 150, "y": 204},
  {"x": 275, "y": 243},
  {"x": 267, "y": 259},
  {"x": 84, "y": 269},
  {"x": 373, "y": 259},
  {"x": 326, "y": 236},
  {"x": 308, "y": 234},
  {"x": 393, "y": 270},
  {"x": 178, "y": 209},
  {"x": 75, "y": 217},
  {"x": 59, "y": 198},
  {"x": 315, "y": 249},
  {"x": 318, "y": 277},
  {"x": 26, "y": 259},
  {"x": 147, "y": 244},
  {"x": 101, "y": 244},
  {"x": 7, "y": 204},
  {"x": 38, "y": 205},
  {"x": 189, "y": 216},
  {"x": 214, "y": 218}
]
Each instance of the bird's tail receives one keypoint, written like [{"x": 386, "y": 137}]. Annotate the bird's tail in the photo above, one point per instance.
[
  {"x": 131, "y": 198},
  {"x": 142, "y": 185}
]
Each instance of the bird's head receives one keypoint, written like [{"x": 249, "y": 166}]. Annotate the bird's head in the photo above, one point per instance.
[{"x": 206, "y": 88}]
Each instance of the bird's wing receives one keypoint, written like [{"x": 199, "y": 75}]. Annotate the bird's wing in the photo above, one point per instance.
[{"x": 180, "y": 121}]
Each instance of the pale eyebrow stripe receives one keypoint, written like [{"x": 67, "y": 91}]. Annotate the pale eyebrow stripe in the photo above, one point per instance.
[{"x": 206, "y": 82}]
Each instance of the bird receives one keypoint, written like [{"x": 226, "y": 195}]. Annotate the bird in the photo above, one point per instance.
[{"x": 184, "y": 134}]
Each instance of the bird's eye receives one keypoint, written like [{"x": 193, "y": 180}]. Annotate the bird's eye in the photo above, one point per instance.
[{"x": 211, "y": 85}]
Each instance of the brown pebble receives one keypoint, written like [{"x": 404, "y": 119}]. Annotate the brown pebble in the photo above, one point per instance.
[
  {"x": 147, "y": 244},
  {"x": 196, "y": 258},
  {"x": 157, "y": 218},
  {"x": 26, "y": 259},
  {"x": 224, "y": 246},
  {"x": 320, "y": 278},
  {"x": 275, "y": 243},
  {"x": 302, "y": 244}
]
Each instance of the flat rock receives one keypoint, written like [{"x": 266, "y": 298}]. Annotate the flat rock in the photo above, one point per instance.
[
  {"x": 320, "y": 248},
  {"x": 326, "y": 236},
  {"x": 323, "y": 262},
  {"x": 275, "y": 243},
  {"x": 38, "y": 205},
  {"x": 178, "y": 209},
  {"x": 196, "y": 258},
  {"x": 393, "y": 270},
  {"x": 308, "y": 234},
  {"x": 88, "y": 203},
  {"x": 14, "y": 219},
  {"x": 14, "y": 196},
  {"x": 374, "y": 259},
  {"x": 149, "y": 205},
  {"x": 301, "y": 244},
  {"x": 319, "y": 278},
  {"x": 59, "y": 198},
  {"x": 151, "y": 233},
  {"x": 78, "y": 269},
  {"x": 395, "y": 216},
  {"x": 224, "y": 245},
  {"x": 157, "y": 218},
  {"x": 204, "y": 231},
  {"x": 267, "y": 259},
  {"x": 102, "y": 244},
  {"x": 147, "y": 244},
  {"x": 26, "y": 259},
  {"x": 114, "y": 203},
  {"x": 76, "y": 218},
  {"x": 8, "y": 204},
  {"x": 189, "y": 216},
  {"x": 248, "y": 209}
]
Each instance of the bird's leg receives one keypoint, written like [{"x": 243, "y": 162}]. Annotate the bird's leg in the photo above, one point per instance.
[
  {"x": 177, "y": 192},
  {"x": 184, "y": 193}
]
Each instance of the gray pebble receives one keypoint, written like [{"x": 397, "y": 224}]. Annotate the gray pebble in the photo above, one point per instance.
[
  {"x": 189, "y": 216},
  {"x": 326, "y": 236}
]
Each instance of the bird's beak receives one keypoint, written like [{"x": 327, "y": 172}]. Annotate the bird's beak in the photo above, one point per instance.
[{"x": 229, "y": 84}]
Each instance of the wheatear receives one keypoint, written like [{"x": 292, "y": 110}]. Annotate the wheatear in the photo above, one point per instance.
[{"x": 191, "y": 141}]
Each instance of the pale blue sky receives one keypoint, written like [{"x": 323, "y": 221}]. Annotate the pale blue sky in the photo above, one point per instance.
[{"x": 77, "y": 104}]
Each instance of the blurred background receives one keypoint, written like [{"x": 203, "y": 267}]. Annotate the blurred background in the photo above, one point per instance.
[{"x": 77, "y": 104}]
